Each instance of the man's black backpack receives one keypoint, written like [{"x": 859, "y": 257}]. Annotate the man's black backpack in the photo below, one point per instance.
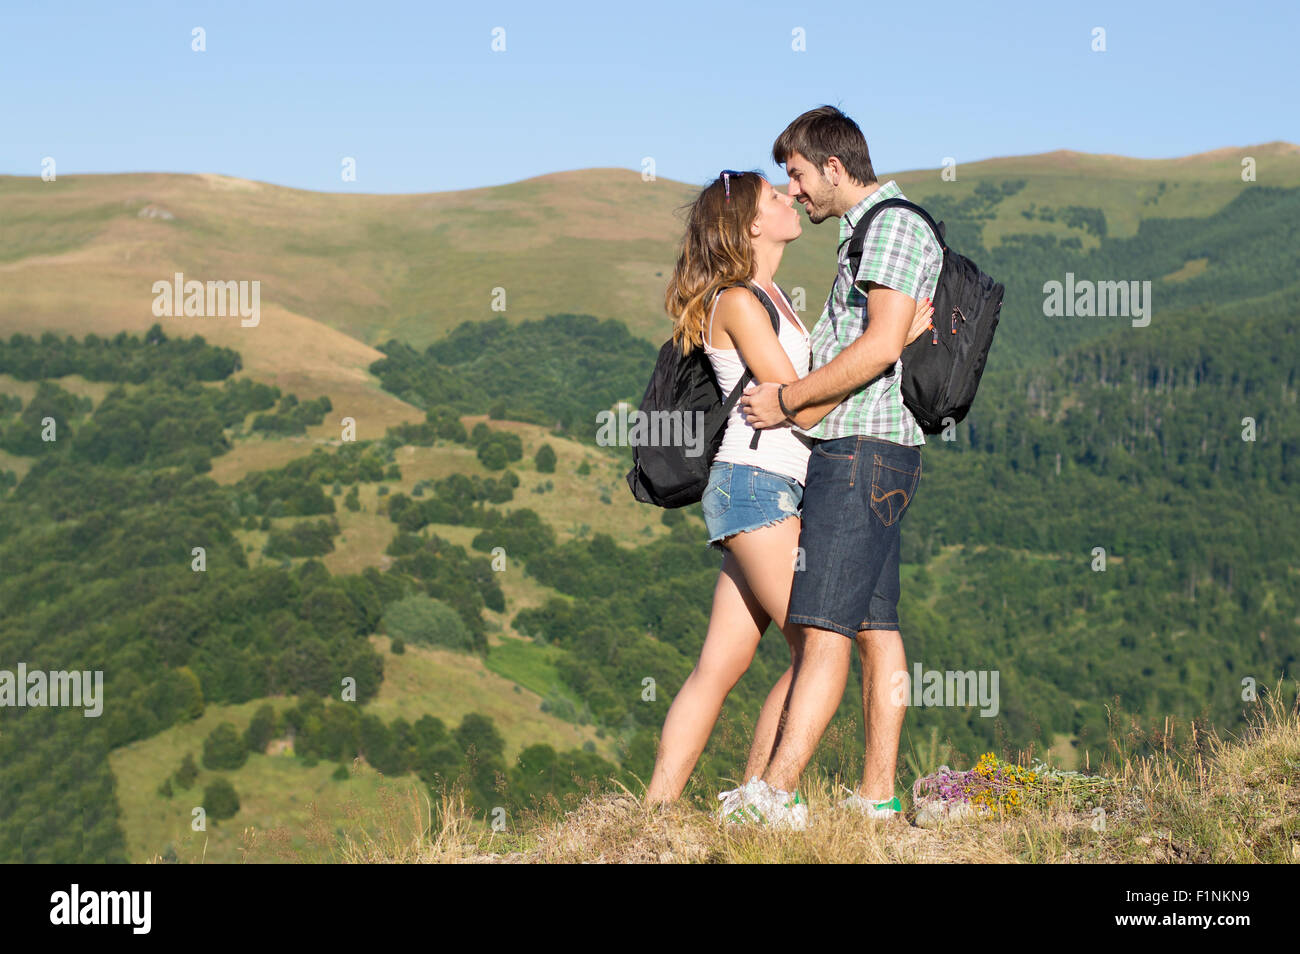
[
  {"x": 942, "y": 370},
  {"x": 666, "y": 475}
]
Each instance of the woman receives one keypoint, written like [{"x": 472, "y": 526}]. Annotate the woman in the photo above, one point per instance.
[{"x": 737, "y": 230}]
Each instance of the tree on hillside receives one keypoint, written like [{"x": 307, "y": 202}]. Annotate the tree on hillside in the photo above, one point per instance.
[
  {"x": 224, "y": 748},
  {"x": 492, "y": 455},
  {"x": 485, "y": 769},
  {"x": 260, "y": 730},
  {"x": 188, "y": 772},
  {"x": 220, "y": 800},
  {"x": 545, "y": 460},
  {"x": 427, "y": 622},
  {"x": 479, "y": 733}
]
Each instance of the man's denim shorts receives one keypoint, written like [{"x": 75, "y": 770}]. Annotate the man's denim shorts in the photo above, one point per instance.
[
  {"x": 856, "y": 492},
  {"x": 742, "y": 497}
]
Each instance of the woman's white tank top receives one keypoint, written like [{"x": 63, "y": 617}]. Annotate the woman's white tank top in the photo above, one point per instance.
[{"x": 778, "y": 449}]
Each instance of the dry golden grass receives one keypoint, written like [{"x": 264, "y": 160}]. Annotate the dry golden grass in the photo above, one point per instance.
[
  {"x": 1218, "y": 800},
  {"x": 415, "y": 832}
]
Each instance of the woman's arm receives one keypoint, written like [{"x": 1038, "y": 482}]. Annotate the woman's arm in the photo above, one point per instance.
[{"x": 749, "y": 326}]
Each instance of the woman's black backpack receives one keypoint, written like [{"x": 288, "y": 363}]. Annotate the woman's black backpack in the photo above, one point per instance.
[
  {"x": 667, "y": 476},
  {"x": 941, "y": 371}
]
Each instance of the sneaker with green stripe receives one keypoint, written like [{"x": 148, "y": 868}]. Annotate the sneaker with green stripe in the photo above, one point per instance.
[
  {"x": 870, "y": 808},
  {"x": 760, "y": 804}
]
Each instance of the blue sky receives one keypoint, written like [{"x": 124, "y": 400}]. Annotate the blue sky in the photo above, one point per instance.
[{"x": 414, "y": 92}]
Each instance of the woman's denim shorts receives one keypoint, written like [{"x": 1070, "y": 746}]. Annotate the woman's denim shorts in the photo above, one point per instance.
[{"x": 743, "y": 497}]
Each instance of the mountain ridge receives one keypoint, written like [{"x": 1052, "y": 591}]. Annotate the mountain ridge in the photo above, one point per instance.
[{"x": 1276, "y": 147}]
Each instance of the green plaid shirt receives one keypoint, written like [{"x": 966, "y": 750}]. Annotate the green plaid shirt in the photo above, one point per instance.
[{"x": 900, "y": 252}]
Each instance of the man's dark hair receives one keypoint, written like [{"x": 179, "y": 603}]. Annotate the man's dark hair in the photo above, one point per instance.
[{"x": 824, "y": 132}]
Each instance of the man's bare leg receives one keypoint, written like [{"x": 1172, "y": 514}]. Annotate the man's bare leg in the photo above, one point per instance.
[
  {"x": 881, "y": 653},
  {"x": 813, "y": 701},
  {"x": 771, "y": 721}
]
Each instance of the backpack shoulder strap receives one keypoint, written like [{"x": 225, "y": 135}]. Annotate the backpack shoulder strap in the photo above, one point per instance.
[
  {"x": 860, "y": 230},
  {"x": 766, "y": 302},
  {"x": 744, "y": 378},
  {"x": 749, "y": 375},
  {"x": 771, "y": 308}
]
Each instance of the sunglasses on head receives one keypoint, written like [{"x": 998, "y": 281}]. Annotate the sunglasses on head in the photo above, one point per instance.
[{"x": 726, "y": 180}]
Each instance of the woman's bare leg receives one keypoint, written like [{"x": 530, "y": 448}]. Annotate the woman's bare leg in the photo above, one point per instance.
[
  {"x": 735, "y": 625},
  {"x": 767, "y": 562},
  {"x": 757, "y": 573}
]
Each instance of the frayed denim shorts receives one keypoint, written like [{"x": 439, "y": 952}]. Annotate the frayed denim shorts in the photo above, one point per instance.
[{"x": 742, "y": 497}]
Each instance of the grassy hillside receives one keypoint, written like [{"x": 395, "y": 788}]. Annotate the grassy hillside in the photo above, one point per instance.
[{"x": 81, "y": 253}]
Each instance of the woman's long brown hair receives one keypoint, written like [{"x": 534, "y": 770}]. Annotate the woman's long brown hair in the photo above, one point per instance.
[{"x": 716, "y": 251}]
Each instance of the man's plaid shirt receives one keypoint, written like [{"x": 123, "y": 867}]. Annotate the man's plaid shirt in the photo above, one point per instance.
[{"x": 900, "y": 252}]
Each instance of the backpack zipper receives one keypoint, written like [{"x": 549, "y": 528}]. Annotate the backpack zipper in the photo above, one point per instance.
[{"x": 956, "y": 312}]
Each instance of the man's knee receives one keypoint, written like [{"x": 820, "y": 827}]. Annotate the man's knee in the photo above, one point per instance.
[
  {"x": 822, "y": 645},
  {"x": 875, "y": 639}
]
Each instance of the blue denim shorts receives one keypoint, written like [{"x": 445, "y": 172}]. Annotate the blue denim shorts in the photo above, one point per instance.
[
  {"x": 857, "y": 490},
  {"x": 742, "y": 497}
]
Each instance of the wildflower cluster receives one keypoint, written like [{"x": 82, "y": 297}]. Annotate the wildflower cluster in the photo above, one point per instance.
[{"x": 996, "y": 786}]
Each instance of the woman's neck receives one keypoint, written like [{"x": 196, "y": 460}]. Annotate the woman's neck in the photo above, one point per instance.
[{"x": 767, "y": 259}]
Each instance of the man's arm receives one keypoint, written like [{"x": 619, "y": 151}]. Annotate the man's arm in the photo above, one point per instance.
[
  {"x": 809, "y": 416},
  {"x": 876, "y": 350},
  {"x": 759, "y": 404}
]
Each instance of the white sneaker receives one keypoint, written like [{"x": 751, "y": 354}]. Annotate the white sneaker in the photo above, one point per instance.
[
  {"x": 787, "y": 810},
  {"x": 886, "y": 810},
  {"x": 760, "y": 803},
  {"x": 732, "y": 799},
  {"x": 734, "y": 802}
]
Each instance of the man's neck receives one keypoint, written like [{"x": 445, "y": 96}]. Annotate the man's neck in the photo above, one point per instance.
[{"x": 853, "y": 194}]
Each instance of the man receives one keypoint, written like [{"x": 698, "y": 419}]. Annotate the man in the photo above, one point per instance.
[{"x": 864, "y": 465}]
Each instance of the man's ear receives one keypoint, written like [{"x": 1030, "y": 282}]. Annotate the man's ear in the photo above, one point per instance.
[{"x": 833, "y": 170}]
